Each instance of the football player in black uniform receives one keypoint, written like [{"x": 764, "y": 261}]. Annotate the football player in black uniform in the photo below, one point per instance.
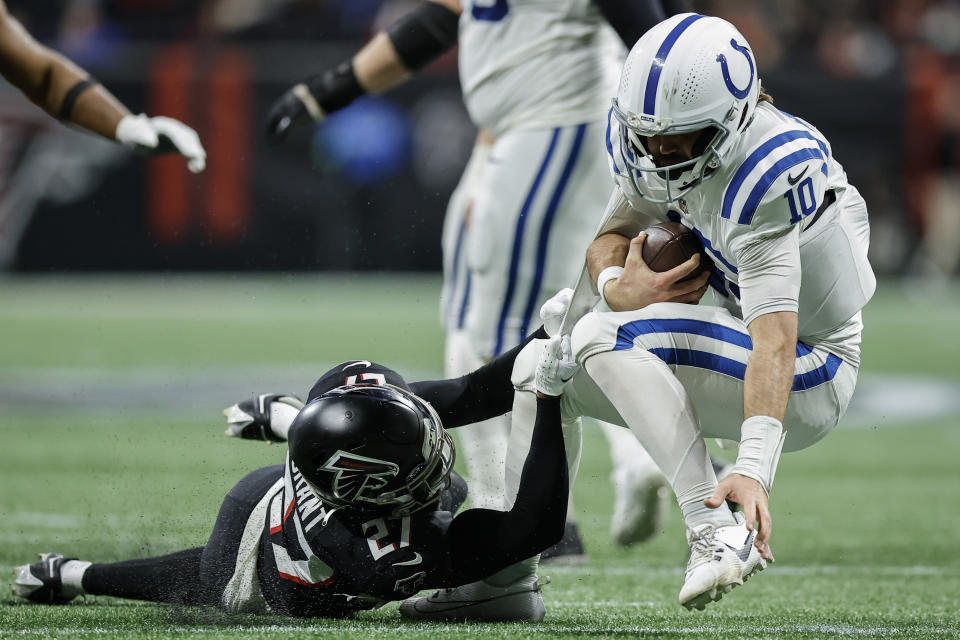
[{"x": 360, "y": 513}]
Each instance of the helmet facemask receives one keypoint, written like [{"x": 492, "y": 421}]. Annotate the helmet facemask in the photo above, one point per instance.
[
  {"x": 669, "y": 183},
  {"x": 428, "y": 480}
]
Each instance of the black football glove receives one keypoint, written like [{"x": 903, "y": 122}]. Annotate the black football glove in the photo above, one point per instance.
[
  {"x": 312, "y": 99},
  {"x": 259, "y": 419}
]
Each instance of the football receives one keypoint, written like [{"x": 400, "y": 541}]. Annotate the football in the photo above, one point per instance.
[{"x": 669, "y": 244}]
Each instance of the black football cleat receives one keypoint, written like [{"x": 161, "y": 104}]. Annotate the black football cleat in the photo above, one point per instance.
[{"x": 40, "y": 582}]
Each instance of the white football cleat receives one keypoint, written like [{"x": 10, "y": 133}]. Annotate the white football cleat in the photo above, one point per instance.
[
  {"x": 41, "y": 581},
  {"x": 636, "y": 504},
  {"x": 720, "y": 559},
  {"x": 480, "y": 601}
]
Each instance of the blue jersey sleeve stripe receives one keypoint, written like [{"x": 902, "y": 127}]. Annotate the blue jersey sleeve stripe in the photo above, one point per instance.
[
  {"x": 609, "y": 142},
  {"x": 820, "y": 143},
  {"x": 755, "y": 158},
  {"x": 736, "y": 369},
  {"x": 769, "y": 177},
  {"x": 628, "y": 332},
  {"x": 653, "y": 78}
]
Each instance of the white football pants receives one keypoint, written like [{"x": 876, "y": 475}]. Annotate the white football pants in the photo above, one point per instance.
[
  {"x": 673, "y": 373},
  {"x": 516, "y": 229}
]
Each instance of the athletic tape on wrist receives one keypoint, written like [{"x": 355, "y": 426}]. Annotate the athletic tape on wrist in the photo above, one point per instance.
[
  {"x": 70, "y": 98},
  {"x": 423, "y": 34},
  {"x": 605, "y": 276},
  {"x": 761, "y": 440}
]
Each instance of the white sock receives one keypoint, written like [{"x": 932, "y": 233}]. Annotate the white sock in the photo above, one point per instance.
[
  {"x": 484, "y": 449},
  {"x": 658, "y": 410},
  {"x": 483, "y": 445},
  {"x": 71, "y": 577},
  {"x": 696, "y": 513}
]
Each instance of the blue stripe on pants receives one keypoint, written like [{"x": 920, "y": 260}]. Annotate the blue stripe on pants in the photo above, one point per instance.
[
  {"x": 737, "y": 369},
  {"x": 518, "y": 242},
  {"x": 545, "y": 228},
  {"x": 628, "y": 332},
  {"x": 455, "y": 270}
]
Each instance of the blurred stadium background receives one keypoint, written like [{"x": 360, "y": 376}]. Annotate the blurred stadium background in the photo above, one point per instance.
[
  {"x": 119, "y": 346},
  {"x": 367, "y": 189}
]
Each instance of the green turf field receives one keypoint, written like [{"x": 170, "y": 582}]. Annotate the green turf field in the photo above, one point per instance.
[{"x": 111, "y": 447}]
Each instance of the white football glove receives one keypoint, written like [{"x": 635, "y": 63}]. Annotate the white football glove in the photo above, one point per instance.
[
  {"x": 162, "y": 135},
  {"x": 556, "y": 367},
  {"x": 264, "y": 417},
  {"x": 553, "y": 310}
]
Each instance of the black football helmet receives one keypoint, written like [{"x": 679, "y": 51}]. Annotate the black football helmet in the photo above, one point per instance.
[{"x": 373, "y": 448}]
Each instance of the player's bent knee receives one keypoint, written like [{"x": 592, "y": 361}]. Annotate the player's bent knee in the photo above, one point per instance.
[
  {"x": 525, "y": 366},
  {"x": 594, "y": 333}
]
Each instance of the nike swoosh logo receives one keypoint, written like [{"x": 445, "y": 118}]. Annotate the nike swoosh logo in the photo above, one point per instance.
[
  {"x": 417, "y": 559},
  {"x": 793, "y": 180},
  {"x": 358, "y": 363},
  {"x": 744, "y": 552}
]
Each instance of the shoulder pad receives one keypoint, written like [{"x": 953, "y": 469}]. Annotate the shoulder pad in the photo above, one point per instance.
[{"x": 787, "y": 151}]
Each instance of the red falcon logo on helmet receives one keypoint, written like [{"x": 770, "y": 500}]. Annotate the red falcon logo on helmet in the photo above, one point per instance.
[{"x": 357, "y": 475}]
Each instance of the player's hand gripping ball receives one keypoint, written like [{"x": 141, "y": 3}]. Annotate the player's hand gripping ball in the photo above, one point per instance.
[{"x": 669, "y": 244}]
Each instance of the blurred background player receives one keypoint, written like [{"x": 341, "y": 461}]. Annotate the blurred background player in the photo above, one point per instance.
[
  {"x": 535, "y": 77},
  {"x": 361, "y": 512},
  {"x": 68, "y": 93}
]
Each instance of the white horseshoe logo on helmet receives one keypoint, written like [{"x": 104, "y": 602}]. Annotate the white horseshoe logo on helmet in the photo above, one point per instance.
[{"x": 739, "y": 94}]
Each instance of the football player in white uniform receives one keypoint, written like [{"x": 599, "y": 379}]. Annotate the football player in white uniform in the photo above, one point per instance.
[
  {"x": 693, "y": 138},
  {"x": 528, "y": 198}
]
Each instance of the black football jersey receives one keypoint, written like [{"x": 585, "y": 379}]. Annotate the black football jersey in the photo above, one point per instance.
[
  {"x": 318, "y": 561},
  {"x": 321, "y": 562}
]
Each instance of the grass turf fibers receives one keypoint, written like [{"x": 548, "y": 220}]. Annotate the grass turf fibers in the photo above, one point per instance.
[{"x": 865, "y": 522}]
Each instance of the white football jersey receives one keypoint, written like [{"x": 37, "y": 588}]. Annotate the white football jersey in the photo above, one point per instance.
[
  {"x": 536, "y": 63},
  {"x": 760, "y": 219}
]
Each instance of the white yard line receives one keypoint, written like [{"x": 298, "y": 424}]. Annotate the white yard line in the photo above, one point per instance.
[
  {"x": 468, "y": 629},
  {"x": 810, "y": 570}
]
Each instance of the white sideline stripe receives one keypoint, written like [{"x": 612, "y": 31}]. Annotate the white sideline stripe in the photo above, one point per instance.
[
  {"x": 551, "y": 629},
  {"x": 640, "y": 570},
  {"x": 42, "y": 519}
]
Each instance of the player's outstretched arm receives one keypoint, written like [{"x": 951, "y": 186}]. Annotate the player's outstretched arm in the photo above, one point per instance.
[
  {"x": 481, "y": 541},
  {"x": 65, "y": 91},
  {"x": 267, "y": 416},
  {"x": 767, "y": 384},
  {"x": 479, "y": 395},
  {"x": 388, "y": 60}
]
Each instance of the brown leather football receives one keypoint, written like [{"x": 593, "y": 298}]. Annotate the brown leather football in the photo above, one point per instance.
[{"x": 669, "y": 244}]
